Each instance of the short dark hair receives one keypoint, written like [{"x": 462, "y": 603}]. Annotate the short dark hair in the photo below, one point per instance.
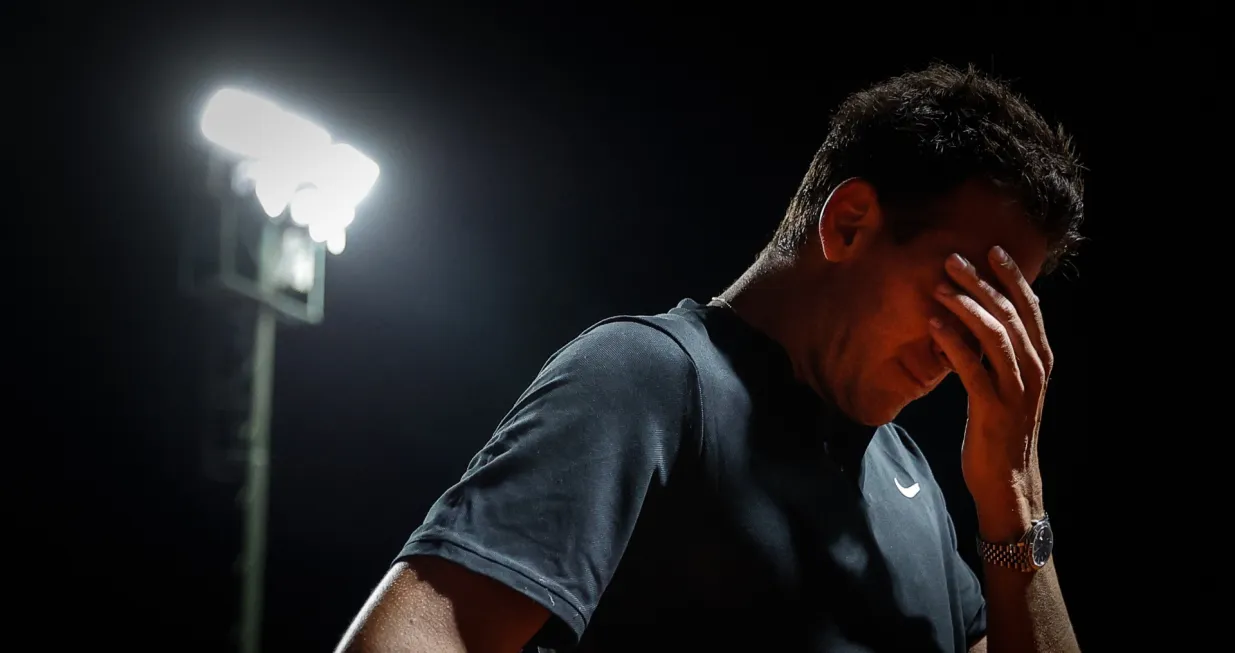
[{"x": 917, "y": 136}]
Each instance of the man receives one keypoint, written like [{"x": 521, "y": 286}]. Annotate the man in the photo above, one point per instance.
[{"x": 727, "y": 476}]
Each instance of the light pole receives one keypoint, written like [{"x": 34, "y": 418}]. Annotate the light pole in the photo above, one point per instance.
[{"x": 308, "y": 187}]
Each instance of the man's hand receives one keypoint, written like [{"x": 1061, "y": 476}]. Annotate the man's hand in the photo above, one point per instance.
[
  {"x": 1005, "y": 377},
  {"x": 1006, "y": 383}
]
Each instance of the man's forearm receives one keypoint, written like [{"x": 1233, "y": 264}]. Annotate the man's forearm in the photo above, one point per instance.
[{"x": 1024, "y": 610}]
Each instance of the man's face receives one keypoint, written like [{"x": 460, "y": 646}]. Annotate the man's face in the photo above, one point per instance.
[{"x": 883, "y": 356}]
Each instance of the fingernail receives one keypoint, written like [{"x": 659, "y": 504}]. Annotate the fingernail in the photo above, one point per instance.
[
  {"x": 999, "y": 254},
  {"x": 937, "y": 323},
  {"x": 945, "y": 290},
  {"x": 957, "y": 262}
]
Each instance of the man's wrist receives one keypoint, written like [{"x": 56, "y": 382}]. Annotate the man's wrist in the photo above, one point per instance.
[{"x": 1008, "y": 521}]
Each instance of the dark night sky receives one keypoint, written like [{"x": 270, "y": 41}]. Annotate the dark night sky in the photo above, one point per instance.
[{"x": 544, "y": 169}]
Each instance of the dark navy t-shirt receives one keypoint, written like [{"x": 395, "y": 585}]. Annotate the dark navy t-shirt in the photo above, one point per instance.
[{"x": 665, "y": 484}]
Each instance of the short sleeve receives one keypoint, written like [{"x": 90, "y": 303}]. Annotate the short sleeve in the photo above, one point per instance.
[
  {"x": 969, "y": 592},
  {"x": 964, "y": 588},
  {"x": 549, "y": 504}
]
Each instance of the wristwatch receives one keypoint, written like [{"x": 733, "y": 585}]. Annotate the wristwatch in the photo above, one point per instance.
[{"x": 1029, "y": 554}]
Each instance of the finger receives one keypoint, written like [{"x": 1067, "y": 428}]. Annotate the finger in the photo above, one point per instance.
[
  {"x": 1026, "y": 302},
  {"x": 1002, "y": 308},
  {"x": 966, "y": 362},
  {"x": 991, "y": 335}
]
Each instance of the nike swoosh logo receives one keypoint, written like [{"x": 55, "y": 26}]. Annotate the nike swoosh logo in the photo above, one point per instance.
[{"x": 911, "y": 491}]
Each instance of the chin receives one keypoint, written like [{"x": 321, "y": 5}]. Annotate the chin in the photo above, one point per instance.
[{"x": 876, "y": 409}]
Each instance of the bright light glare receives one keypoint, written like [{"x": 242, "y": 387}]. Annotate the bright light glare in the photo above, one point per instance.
[
  {"x": 313, "y": 206},
  {"x": 345, "y": 174},
  {"x": 257, "y": 128},
  {"x": 290, "y": 162},
  {"x": 337, "y": 241},
  {"x": 307, "y": 206},
  {"x": 319, "y": 232},
  {"x": 242, "y": 178},
  {"x": 297, "y": 262},
  {"x": 335, "y": 237},
  {"x": 275, "y": 184}
]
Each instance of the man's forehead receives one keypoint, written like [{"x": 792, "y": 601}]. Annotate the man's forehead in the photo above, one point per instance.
[
  {"x": 977, "y": 219},
  {"x": 1029, "y": 252}
]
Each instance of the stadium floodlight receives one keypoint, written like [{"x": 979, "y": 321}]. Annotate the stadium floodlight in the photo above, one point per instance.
[
  {"x": 294, "y": 169},
  {"x": 253, "y": 127},
  {"x": 289, "y": 162}
]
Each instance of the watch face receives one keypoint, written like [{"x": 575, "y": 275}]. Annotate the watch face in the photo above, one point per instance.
[{"x": 1043, "y": 542}]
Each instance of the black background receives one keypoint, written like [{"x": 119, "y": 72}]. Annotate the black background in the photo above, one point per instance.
[{"x": 543, "y": 168}]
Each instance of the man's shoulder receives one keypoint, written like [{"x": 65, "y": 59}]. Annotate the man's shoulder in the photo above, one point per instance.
[
  {"x": 895, "y": 436},
  {"x": 625, "y": 347},
  {"x": 655, "y": 339},
  {"x": 899, "y": 446}
]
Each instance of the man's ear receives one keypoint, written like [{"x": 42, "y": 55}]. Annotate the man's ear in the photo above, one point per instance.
[{"x": 850, "y": 221}]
